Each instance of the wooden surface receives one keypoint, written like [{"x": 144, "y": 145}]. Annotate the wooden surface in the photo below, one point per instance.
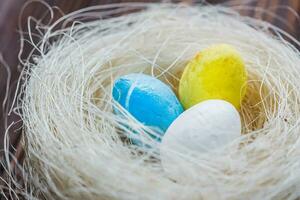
[{"x": 285, "y": 10}]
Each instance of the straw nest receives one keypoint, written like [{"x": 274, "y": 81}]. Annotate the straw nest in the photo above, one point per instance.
[{"x": 75, "y": 147}]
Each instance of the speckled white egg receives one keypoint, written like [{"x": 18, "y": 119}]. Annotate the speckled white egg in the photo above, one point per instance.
[{"x": 203, "y": 128}]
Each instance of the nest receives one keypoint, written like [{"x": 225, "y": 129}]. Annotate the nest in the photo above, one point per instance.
[{"x": 75, "y": 147}]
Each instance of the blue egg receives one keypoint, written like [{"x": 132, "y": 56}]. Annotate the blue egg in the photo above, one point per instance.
[{"x": 148, "y": 99}]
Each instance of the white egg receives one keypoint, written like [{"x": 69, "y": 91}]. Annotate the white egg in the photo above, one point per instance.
[{"x": 203, "y": 128}]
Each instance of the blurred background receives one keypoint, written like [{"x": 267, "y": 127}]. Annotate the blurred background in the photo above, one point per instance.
[{"x": 14, "y": 15}]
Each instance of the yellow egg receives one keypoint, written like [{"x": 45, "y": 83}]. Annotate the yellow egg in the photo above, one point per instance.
[{"x": 217, "y": 72}]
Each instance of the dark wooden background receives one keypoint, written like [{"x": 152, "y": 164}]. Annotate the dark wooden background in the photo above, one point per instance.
[{"x": 286, "y": 10}]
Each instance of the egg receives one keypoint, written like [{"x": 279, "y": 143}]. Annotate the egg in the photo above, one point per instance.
[
  {"x": 148, "y": 99},
  {"x": 204, "y": 128},
  {"x": 217, "y": 72}
]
